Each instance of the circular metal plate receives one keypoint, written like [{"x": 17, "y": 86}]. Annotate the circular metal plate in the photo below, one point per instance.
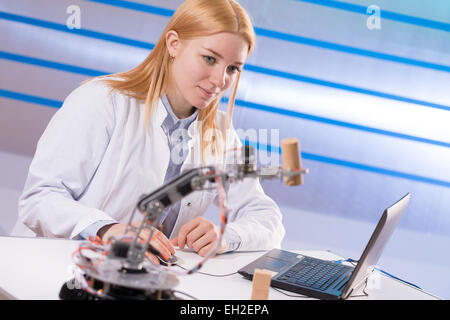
[{"x": 109, "y": 272}]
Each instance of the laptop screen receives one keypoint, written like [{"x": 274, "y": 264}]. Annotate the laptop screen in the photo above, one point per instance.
[{"x": 376, "y": 244}]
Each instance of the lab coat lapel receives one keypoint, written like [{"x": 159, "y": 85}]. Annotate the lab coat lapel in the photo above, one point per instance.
[
  {"x": 193, "y": 158},
  {"x": 159, "y": 145}
]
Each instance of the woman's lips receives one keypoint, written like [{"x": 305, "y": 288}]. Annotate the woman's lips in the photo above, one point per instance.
[{"x": 207, "y": 93}]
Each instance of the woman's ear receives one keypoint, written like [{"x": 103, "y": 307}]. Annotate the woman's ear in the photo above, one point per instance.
[{"x": 172, "y": 42}]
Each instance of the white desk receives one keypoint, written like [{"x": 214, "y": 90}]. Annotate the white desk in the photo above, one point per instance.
[{"x": 36, "y": 268}]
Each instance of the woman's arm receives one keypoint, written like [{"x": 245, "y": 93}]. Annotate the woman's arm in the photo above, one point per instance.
[
  {"x": 255, "y": 220},
  {"x": 253, "y": 216},
  {"x": 67, "y": 156}
]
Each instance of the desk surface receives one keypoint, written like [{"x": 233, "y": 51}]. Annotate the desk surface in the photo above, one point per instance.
[{"x": 36, "y": 268}]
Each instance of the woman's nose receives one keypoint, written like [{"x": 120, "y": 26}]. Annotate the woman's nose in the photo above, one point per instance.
[{"x": 219, "y": 77}]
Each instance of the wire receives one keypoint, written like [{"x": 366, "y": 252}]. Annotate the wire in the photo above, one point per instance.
[
  {"x": 382, "y": 271},
  {"x": 353, "y": 262},
  {"x": 186, "y": 294},
  {"x": 290, "y": 295},
  {"x": 217, "y": 275},
  {"x": 396, "y": 278},
  {"x": 210, "y": 274}
]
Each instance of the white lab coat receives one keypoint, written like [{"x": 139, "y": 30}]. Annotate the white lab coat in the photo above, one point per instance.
[{"x": 96, "y": 158}]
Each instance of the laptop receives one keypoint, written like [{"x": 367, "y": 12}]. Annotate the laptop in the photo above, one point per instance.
[{"x": 324, "y": 279}]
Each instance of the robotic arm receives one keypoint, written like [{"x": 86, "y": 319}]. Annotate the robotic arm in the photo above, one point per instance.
[{"x": 122, "y": 271}]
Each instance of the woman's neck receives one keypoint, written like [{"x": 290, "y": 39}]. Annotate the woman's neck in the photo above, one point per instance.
[{"x": 180, "y": 107}]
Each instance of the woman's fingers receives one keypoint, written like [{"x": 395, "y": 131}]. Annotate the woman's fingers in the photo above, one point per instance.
[
  {"x": 166, "y": 242},
  {"x": 185, "y": 230},
  {"x": 204, "y": 251},
  {"x": 159, "y": 242},
  {"x": 208, "y": 239},
  {"x": 199, "y": 234},
  {"x": 164, "y": 252},
  {"x": 196, "y": 234},
  {"x": 152, "y": 257}
]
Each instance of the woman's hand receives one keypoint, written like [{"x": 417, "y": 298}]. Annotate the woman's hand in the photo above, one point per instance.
[
  {"x": 199, "y": 234},
  {"x": 159, "y": 241}
]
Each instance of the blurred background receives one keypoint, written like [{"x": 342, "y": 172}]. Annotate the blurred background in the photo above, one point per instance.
[{"x": 364, "y": 85}]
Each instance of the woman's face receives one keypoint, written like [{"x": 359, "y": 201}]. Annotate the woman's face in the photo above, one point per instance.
[{"x": 203, "y": 69}]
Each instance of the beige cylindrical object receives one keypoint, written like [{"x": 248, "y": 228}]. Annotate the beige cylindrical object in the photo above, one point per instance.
[
  {"x": 261, "y": 284},
  {"x": 290, "y": 154}
]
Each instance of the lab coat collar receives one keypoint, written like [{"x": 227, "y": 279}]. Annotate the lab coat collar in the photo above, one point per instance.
[
  {"x": 194, "y": 146},
  {"x": 160, "y": 114}
]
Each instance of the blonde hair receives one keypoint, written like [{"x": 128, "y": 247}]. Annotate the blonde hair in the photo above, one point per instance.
[{"x": 193, "y": 18}]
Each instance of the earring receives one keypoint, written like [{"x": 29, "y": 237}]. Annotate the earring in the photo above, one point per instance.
[{"x": 171, "y": 58}]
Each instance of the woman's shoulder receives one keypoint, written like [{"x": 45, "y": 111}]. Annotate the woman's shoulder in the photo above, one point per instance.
[
  {"x": 98, "y": 94},
  {"x": 91, "y": 99},
  {"x": 93, "y": 88}
]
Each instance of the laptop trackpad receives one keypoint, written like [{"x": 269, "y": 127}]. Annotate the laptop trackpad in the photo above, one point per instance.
[
  {"x": 273, "y": 264},
  {"x": 266, "y": 263},
  {"x": 274, "y": 260}
]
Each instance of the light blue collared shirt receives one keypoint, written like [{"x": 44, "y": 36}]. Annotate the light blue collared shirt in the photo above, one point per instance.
[{"x": 176, "y": 131}]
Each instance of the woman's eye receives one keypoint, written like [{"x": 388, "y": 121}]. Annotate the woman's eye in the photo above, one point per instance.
[
  {"x": 209, "y": 59},
  {"x": 234, "y": 69}
]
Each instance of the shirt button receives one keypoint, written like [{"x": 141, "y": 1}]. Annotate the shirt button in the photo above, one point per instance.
[{"x": 188, "y": 204}]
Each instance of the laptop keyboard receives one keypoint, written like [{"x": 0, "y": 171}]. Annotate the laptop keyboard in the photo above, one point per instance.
[{"x": 315, "y": 273}]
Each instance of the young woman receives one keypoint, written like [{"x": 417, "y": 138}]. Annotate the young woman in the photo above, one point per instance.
[{"x": 120, "y": 136}]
